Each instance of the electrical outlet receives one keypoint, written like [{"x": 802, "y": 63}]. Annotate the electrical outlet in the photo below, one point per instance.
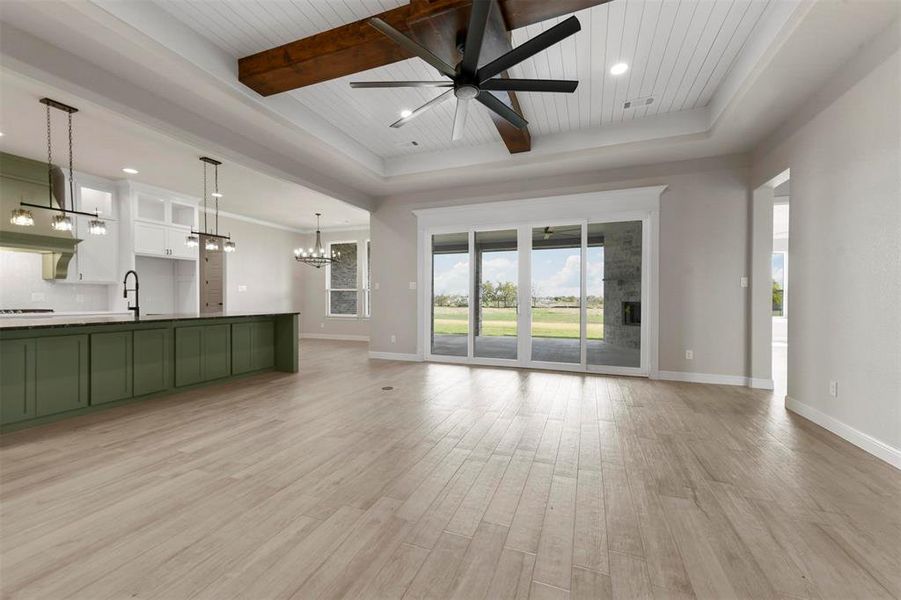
[
  {"x": 375, "y": 285},
  {"x": 393, "y": 339},
  {"x": 743, "y": 282},
  {"x": 37, "y": 296},
  {"x": 412, "y": 285},
  {"x": 833, "y": 389},
  {"x": 689, "y": 355},
  {"x": 321, "y": 325},
  {"x": 242, "y": 288}
]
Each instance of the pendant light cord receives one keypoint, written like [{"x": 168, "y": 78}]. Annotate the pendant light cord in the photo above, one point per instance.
[
  {"x": 71, "y": 173},
  {"x": 205, "y": 230},
  {"x": 49, "y": 163},
  {"x": 216, "y": 175}
]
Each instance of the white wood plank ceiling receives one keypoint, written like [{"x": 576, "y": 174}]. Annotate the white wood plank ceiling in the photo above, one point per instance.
[{"x": 678, "y": 52}]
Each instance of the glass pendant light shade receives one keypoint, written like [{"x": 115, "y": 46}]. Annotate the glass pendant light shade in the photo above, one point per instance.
[
  {"x": 192, "y": 241},
  {"x": 22, "y": 218},
  {"x": 61, "y": 223},
  {"x": 211, "y": 244},
  {"x": 97, "y": 227},
  {"x": 229, "y": 246}
]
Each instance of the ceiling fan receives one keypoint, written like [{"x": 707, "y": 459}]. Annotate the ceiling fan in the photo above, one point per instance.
[{"x": 470, "y": 82}]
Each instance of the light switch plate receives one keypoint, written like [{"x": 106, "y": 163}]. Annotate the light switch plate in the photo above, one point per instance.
[
  {"x": 743, "y": 282},
  {"x": 412, "y": 285},
  {"x": 375, "y": 285},
  {"x": 242, "y": 288}
]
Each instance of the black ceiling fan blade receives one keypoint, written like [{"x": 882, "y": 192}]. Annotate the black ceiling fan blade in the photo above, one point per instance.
[
  {"x": 540, "y": 42},
  {"x": 492, "y": 102},
  {"x": 427, "y": 106},
  {"x": 530, "y": 85},
  {"x": 413, "y": 47},
  {"x": 478, "y": 21},
  {"x": 400, "y": 84}
]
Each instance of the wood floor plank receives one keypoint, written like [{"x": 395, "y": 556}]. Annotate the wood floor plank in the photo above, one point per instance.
[{"x": 460, "y": 481}]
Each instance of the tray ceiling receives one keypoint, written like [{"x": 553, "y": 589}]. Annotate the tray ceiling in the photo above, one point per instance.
[{"x": 678, "y": 54}]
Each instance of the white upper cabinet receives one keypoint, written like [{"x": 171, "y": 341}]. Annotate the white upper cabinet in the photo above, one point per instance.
[
  {"x": 96, "y": 256},
  {"x": 162, "y": 221}
]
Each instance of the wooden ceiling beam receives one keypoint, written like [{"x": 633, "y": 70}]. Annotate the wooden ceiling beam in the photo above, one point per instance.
[{"x": 357, "y": 47}]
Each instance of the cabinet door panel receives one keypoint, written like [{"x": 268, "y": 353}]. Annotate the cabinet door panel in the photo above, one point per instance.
[
  {"x": 150, "y": 239},
  {"x": 61, "y": 374},
  {"x": 151, "y": 361},
  {"x": 188, "y": 355},
  {"x": 175, "y": 241},
  {"x": 263, "y": 345},
  {"x": 216, "y": 351},
  {"x": 96, "y": 255},
  {"x": 242, "y": 348},
  {"x": 111, "y": 366},
  {"x": 16, "y": 380}
]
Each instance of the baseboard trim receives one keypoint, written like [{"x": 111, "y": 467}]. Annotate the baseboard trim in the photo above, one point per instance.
[
  {"x": 865, "y": 442},
  {"x": 701, "y": 378},
  {"x": 760, "y": 384},
  {"x": 334, "y": 336},
  {"x": 395, "y": 356}
]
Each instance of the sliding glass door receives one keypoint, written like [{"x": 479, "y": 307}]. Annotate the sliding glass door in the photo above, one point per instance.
[
  {"x": 613, "y": 294},
  {"x": 450, "y": 294},
  {"x": 556, "y": 290},
  {"x": 574, "y": 290},
  {"x": 495, "y": 326}
]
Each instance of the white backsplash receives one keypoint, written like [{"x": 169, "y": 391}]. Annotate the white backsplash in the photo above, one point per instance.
[{"x": 21, "y": 286}]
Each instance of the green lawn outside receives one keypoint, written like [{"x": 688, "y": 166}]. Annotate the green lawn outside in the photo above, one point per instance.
[{"x": 546, "y": 322}]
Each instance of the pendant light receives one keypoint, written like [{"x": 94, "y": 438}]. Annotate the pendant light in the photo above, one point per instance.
[
  {"x": 212, "y": 241},
  {"x": 316, "y": 256},
  {"x": 62, "y": 221}
]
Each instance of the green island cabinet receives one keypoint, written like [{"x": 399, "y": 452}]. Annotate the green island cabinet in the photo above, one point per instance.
[{"x": 53, "y": 372}]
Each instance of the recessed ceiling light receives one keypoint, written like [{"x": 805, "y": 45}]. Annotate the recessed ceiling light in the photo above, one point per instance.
[
  {"x": 619, "y": 68},
  {"x": 1, "y": 134},
  {"x": 216, "y": 195},
  {"x": 405, "y": 113},
  {"x": 130, "y": 171}
]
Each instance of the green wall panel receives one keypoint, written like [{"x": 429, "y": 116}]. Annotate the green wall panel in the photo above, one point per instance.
[
  {"x": 188, "y": 355},
  {"x": 152, "y": 372},
  {"x": 111, "y": 366},
  {"x": 263, "y": 344},
  {"x": 61, "y": 374},
  {"x": 242, "y": 359},
  {"x": 217, "y": 358},
  {"x": 16, "y": 380}
]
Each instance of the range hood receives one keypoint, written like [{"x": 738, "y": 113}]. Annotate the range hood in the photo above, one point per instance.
[{"x": 23, "y": 179}]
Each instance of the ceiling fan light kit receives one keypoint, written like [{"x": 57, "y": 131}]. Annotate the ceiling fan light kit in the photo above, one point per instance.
[{"x": 469, "y": 81}]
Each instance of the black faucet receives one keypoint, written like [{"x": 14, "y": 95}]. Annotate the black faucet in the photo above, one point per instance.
[{"x": 137, "y": 306}]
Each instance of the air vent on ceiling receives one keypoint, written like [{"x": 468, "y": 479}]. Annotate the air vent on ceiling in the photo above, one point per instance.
[
  {"x": 636, "y": 102},
  {"x": 410, "y": 144}
]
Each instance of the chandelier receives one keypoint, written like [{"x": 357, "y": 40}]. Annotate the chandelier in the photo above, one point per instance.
[
  {"x": 62, "y": 221},
  {"x": 316, "y": 256},
  {"x": 211, "y": 240}
]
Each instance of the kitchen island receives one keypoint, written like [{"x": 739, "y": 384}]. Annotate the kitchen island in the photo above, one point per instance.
[{"x": 54, "y": 367}]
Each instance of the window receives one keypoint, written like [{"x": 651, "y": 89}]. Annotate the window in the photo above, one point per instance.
[
  {"x": 367, "y": 281},
  {"x": 778, "y": 270},
  {"x": 341, "y": 281}
]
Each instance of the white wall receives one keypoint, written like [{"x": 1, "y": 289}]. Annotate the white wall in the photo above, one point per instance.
[
  {"x": 845, "y": 229},
  {"x": 263, "y": 267},
  {"x": 314, "y": 321},
  {"x": 703, "y": 254},
  {"x": 22, "y": 286}
]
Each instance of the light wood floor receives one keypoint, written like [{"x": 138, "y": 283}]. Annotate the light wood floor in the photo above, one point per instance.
[{"x": 458, "y": 483}]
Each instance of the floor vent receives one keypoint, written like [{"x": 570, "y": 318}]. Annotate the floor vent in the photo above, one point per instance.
[{"x": 388, "y": 388}]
